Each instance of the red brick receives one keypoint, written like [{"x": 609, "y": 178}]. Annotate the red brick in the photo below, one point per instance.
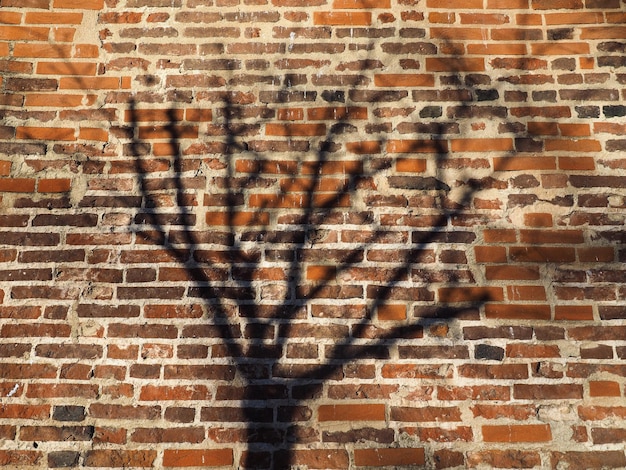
[
  {"x": 470, "y": 294},
  {"x": 520, "y": 312},
  {"x": 198, "y": 457},
  {"x": 20, "y": 458},
  {"x": 161, "y": 393},
  {"x": 120, "y": 458},
  {"x": 573, "y": 312},
  {"x": 370, "y": 412},
  {"x": 455, "y": 65},
  {"x": 389, "y": 457},
  {"x": 87, "y": 4},
  {"x": 505, "y": 458},
  {"x": 361, "y": 4}
]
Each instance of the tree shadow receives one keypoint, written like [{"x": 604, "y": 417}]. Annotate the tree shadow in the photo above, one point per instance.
[{"x": 288, "y": 260}]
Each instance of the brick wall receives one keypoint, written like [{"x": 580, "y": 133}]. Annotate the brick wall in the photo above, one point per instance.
[{"x": 313, "y": 233}]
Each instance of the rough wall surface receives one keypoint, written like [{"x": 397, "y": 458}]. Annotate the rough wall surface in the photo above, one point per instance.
[{"x": 313, "y": 233}]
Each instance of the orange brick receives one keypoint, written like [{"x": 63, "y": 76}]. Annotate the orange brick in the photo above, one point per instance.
[
  {"x": 517, "y": 293},
  {"x": 161, "y": 149},
  {"x": 59, "y": 51},
  {"x": 391, "y": 312},
  {"x": 497, "y": 49},
  {"x": 609, "y": 127},
  {"x": 86, "y": 51},
  {"x": 512, "y": 273},
  {"x": 542, "y": 254},
  {"x": 274, "y": 201},
  {"x": 364, "y": 147},
  {"x": 54, "y": 185},
  {"x": 456, "y": 33},
  {"x": 535, "y": 219},
  {"x": 404, "y": 80},
  {"x": 361, "y": 18},
  {"x": 64, "y": 34},
  {"x": 17, "y": 185},
  {"x": 369, "y": 412},
  {"x": 561, "y": 48},
  {"x": 237, "y": 219},
  {"x": 483, "y": 18},
  {"x": 578, "y": 145},
  {"x": 154, "y": 115},
  {"x": 58, "y": 100},
  {"x": 397, "y": 457},
  {"x": 604, "y": 388},
  {"x": 516, "y": 163},
  {"x": 577, "y": 163},
  {"x": 89, "y": 83},
  {"x": 45, "y": 133},
  {"x": 507, "y": 4},
  {"x": 361, "y": 4},
  {"x": 5, "y": 168},
  {"x": 25, "y": 33},
  {"x": 411, "y": 165},
  {"x": 606, "y": 32},
  {"x": 66, "y": 68},
  {"x": 500, "y": 236},
  {"x": 10, "y": 17},
  {"x": 532, "y": 350},
  {"x": 490, "y": 254},
  {"x": 81, "y": 4},
  {"x": 442, "y": 18},
  {"x": 587, "y": 17},
  {"x": 91, "y": 133},
  {"x": 168, "y": 132},
  {"x": 574, "y": 130},
  {"x": 295, "y": 129},
  {"x": 321, "y": 273},
  {"x": 53, "y": 18},
  {"x": 417, "y": 146},
  {"x": 481, "y": 145},
  {"x": 517, "y": 433},
  {"x": 455, "y": 4}
]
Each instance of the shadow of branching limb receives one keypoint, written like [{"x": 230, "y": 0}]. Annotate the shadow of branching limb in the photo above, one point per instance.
[{"x": 310, "y": 243}]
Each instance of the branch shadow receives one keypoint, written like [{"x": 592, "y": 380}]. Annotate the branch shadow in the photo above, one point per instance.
[{"x": 314, "y": 283}]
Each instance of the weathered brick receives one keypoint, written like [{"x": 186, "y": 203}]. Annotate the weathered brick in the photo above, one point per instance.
[{"x": 179, "y": 207}]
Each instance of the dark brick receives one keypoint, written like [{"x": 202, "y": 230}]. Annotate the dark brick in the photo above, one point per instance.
[
  {"x": 485, "y": 351},
  {"x": 69, "y": 413},
  {"x": 61, "y": 459}
]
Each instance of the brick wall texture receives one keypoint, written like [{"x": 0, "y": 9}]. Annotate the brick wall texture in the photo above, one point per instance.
[{"x": 320, "y": 234}]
